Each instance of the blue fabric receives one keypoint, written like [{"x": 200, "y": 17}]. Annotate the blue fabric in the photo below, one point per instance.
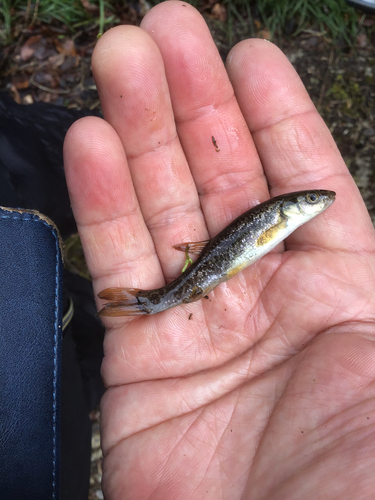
[{"x": 30, "y": 352}]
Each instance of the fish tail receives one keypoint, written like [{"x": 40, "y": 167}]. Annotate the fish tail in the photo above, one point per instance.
[{"x": 123, "y": 302}]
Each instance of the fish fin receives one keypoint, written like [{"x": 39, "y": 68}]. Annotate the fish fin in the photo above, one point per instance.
[
  {"x": 121, "y": 309},
  {"x": 193, "y": 247},
  {"x": 124, "y": 302},
  {"x": 120, "y": 294}
]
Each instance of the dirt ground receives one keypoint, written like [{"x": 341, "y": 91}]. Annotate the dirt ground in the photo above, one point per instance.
[{"x": 342, "y": 87}]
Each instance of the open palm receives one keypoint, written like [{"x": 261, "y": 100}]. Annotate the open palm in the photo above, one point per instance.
[{"x": 265, "y": 390}]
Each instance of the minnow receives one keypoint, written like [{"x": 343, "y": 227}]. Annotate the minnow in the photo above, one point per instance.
[{"x": 245, "y": 240}]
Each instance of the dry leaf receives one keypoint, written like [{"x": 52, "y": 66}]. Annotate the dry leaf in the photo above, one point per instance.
[
  {"x": 219, "y": 12},
  {"x": 67, "y": 47},
  {"x": 28, "y": 48},
  {"x": 362, "y": 40},
  {"x": 20, "y": 81},
  {"x": 89, "y": 7}
]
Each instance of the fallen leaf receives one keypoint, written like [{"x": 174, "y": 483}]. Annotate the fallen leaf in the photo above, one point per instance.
[
  {"x": 20, "y": 81},
  {"x": 362, "y": 40},
  {"x": 265, "y": 34},
  {"x": 219, "y": 12},
  {"x": 67, "y": 47},
  {"x": 29, "y": 47},
  {"x": 89, "y": 7},
  {"x": 15, "y": 94},
  {"x": 57, "y": 60}
]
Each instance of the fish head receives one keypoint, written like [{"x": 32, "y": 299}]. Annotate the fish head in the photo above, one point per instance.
[{"x": 302, "y": 206}]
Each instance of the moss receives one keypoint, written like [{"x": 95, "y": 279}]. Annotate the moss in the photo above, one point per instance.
[
  {"x": 338, "y": 92},
  {"x": 74, "y": 259},
  {"x": 350, "y": 95}
]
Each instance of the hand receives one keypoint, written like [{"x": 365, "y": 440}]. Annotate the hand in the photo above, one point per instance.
[{"x": 266, "y": 390}]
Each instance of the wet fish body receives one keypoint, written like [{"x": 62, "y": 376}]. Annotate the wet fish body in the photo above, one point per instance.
[{"x": 245, "y": 240}]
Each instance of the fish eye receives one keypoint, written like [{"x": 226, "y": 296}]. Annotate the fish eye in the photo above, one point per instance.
[{"x": 312, "y": 197}]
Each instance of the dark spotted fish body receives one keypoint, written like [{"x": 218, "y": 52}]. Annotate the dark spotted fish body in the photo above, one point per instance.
[{"x": 244, "y": 241}]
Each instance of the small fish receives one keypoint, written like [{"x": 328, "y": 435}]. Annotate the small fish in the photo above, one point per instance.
[{"x": 244, "y": 241}]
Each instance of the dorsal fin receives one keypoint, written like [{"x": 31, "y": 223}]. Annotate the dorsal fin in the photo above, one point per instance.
[{"x": 192, "y": 247}]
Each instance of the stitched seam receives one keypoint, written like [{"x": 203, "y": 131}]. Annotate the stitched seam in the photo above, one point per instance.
[
  {"x": 55, "y": 360},
  {"x": 31, "y": 218}
]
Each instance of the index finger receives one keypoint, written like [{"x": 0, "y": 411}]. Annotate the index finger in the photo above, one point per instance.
[{"x": 295, "y": 146}]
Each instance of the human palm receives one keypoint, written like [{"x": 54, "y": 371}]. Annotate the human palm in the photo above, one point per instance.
[{"x": 265, "y": 390}]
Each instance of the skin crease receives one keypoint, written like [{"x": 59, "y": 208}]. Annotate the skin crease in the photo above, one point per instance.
[{"x": 266, "y": 390}]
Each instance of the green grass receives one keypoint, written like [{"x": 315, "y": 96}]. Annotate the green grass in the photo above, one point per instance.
[
  {"x": 70, "y": 13},
  {"x": 6, "y": 17},
  {"x": 334, "y": 18},
  {"x": 74, "y": 259}
]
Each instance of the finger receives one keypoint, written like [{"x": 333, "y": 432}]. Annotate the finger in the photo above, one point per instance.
[
  {"x": 118, "y": 248},
  {"x": 228, "y": 181},
  {"x": 295, "y": 146},
  {"x": 129, "y": 73}
]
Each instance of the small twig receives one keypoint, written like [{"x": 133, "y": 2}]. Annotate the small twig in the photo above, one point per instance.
[
  {"x": 47, "y": 89},
  {"x": 325, "y": 79},
  {"x": 188, "y": 259},
  {"x": 36, "y": 8},
  {"x": 215, "y": 144}
]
